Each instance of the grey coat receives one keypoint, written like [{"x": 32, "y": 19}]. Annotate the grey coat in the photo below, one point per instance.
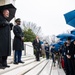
[
  {"x": 5, "y": 37},
  {"x": 18, "y": 43}
]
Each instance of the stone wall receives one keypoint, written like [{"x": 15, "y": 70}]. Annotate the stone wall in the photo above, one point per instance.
[{"x": 28, "y": 48}]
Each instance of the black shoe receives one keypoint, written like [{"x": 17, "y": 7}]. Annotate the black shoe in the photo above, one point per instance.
[
  {"x": 5, "y": 65},
  {"x": 1, "y": 67},
  {"x": 15, "y": 62},
  {"x": 21, "y": 62},
  {"x": 37, "y": 60}
]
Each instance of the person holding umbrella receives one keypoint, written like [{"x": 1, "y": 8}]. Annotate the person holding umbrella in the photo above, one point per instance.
[{"x": 5, "y": 33}]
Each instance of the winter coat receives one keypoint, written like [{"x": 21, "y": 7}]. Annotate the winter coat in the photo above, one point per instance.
[
  {"x": 18, "y": 43},
  {"x": 5, "y": 37}
]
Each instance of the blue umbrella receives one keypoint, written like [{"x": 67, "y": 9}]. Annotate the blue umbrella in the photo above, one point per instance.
[
  {"x": 57, "y": 46},
  {"x": 70, "y": 18},
  {"x": 41, "y": 42},
  {"x": 73, "y": 32},
  {"x": 61, "y": 42},
  {"x": 64, "y": 36}
]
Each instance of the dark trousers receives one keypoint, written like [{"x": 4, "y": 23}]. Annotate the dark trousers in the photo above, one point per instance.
[
  {"x": 71, "y": 66},
  {"x": 66, "y": 66},
  {"x": 53, "y": 58},
  {"x": 17, "y": 55},
  {"x": 47, "y": 55},
  {"x": 3, "y": 60},
  {"x": 37, "y": 55}
]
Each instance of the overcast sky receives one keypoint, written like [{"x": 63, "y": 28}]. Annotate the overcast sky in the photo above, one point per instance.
[{"x": 46, "y": 13}]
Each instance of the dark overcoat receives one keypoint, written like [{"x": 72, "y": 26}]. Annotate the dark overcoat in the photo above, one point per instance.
[
  {"x": 18, "y": 44},
  {"x": 5, "y": 37},
  {"x": 36, "y": 45}
]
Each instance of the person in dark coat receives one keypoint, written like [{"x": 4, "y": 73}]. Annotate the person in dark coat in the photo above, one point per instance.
[
  {"x": 47, "y": 50},
  {"x": 5, "y": 37},
  {"x": 18, "y": 44},
  {"x": 73, "y": 55},
  {"x": 53, "y": 54},
  {"x": 65, "y": 49},
  {"x": 37, "y": 47},
  {"x": 69, "y": 55}
]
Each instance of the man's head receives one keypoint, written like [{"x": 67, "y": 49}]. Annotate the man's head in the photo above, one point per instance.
[
  {"x": 6, "y": 13},
  {"x": 18, "y": 21},
  {"x": 68, "y": 40},
  {"x": 37, "y": 37}
]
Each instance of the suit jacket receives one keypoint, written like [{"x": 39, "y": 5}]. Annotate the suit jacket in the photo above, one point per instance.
[{"x": 36, "y": 45}]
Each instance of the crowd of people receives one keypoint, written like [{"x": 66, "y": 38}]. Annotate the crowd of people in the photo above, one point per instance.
[
  {"x": 66, "y": 51},
  {"x": 18, "y": 41},
  {"x": 65, "y": 56}
]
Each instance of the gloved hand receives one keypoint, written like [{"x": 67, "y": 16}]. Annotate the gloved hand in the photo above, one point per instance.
[{"x": 11, "y": 25}]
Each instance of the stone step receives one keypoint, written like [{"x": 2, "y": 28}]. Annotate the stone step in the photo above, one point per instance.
[
  {"x": 32, "y": 67},
  {"x": 10, "y": 59},
  {"x": 56, "y": 70},
  {"x": 27, "y": 61},
  {"x": 22, "y": 68},
  {"x": 36, "y": 70},
  {"x": 47, "y": 69}
]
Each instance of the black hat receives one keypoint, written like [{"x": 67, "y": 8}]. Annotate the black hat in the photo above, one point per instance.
[{"x": 18, "y": 20}]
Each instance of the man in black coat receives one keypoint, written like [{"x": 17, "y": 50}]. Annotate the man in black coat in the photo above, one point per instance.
[
  {"x": 37, "y": 47},
  {"x": 18, "y": 44},
  {"x": 47, "y": 50},
  {"x": 5, "y": 37},
  {"x": 69, "y": 55}
]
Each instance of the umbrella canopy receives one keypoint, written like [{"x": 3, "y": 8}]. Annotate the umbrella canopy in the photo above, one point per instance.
[
  {"x": 12, "y": 11},
  {"x": 70, "y": 18},
  {"x": 65, "y": 36},
  {"x": 41, "y": 42},
  {"x": 73, "y": 32},
  {"x": 61, "y": 42},
  {"x": 56, "y": 46}
]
